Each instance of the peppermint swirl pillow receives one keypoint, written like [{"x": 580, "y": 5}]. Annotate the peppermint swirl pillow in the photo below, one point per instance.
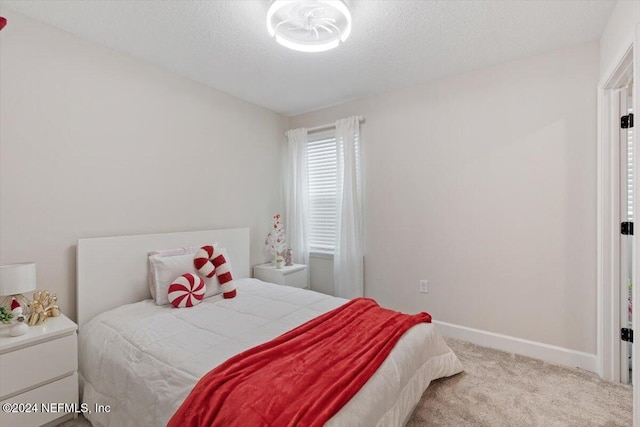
[{"x": 186, "y": 291}]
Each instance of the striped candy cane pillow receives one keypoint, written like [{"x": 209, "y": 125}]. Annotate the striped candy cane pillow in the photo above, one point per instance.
[
  {"x": 210, "y": 261},
  {"x": 187, "y": 290}
]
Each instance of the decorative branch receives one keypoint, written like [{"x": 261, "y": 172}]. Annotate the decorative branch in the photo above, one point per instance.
[{"x": 276, "y": 239}]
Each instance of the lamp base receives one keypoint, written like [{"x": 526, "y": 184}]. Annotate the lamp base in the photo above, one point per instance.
[{"x": 18, "y": 329}]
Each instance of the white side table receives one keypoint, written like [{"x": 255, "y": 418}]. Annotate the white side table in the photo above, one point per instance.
[
  {"x": 296, "y": 275},
  {"x": 39, "y": 367}
]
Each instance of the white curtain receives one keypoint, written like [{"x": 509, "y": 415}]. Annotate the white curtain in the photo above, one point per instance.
[
  {"x": 348, "y": 255},
  {"x": 297, "y": 195}
]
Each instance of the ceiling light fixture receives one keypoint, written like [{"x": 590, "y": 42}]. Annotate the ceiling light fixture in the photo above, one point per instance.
[{"x": 309, "y": 25}]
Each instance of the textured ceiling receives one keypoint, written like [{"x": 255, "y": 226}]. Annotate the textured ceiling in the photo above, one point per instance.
[{"x": 393, "y": 44}]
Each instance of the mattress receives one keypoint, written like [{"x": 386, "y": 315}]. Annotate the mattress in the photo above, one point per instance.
[{"x": 143, "y": 360}]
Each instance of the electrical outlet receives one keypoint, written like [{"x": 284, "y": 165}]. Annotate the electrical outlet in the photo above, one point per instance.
[{"x": 424, "y": 286}]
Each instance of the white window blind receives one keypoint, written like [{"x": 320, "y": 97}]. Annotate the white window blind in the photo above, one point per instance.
[
  {"x": 325, "y": 171},
  {"x": 322, "y": 165}
]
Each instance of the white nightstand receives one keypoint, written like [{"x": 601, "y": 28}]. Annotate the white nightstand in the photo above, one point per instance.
[
  {"x": 296, "y": 275},
  {"x": 39, "y": 367}
]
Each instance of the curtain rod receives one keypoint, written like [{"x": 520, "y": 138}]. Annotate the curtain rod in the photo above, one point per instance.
[{"x": 328, "y": 126}]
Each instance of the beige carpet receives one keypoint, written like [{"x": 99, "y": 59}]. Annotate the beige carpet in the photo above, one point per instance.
[{"x": 501, "y": 389}]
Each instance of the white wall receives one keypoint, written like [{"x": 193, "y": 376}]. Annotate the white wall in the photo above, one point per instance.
[
  {"x": 618, "y": 35},
  {"x": 321, "y": 274},
  {"x": 95, "y": 143},
  {"x": 484, "y": 184}
]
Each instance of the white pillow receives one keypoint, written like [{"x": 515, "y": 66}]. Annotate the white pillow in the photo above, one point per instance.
[
  {"x": 177, "y": 251},
  {"x": 163, "y": 270}
]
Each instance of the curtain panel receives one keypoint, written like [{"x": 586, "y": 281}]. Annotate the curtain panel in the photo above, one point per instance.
[
  {"x": 297, "y": 195},
  {"x": 348, "y": 256}
]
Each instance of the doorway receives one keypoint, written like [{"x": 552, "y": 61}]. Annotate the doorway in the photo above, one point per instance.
[{"x": 617, "y": 207}]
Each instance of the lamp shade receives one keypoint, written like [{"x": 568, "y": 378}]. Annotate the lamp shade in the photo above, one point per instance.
[{"x": 17, "y": 278}]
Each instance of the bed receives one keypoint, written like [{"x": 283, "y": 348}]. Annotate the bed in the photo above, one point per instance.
[{"x": 142, "y": 359}]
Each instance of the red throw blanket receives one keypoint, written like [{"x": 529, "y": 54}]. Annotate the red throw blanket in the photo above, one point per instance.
[{"x": 303, "y": 377}]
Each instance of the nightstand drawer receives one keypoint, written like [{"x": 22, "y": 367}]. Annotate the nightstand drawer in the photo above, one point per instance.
[
  {"x": 36, "y": 364},
  {"x": 64, "y": 390},
  {"x": 296, "y": 279}
]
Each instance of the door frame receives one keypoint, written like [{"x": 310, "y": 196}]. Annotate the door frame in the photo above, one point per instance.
[
  {"x": 624, "y": 242},
  {"x": 636, "y": 269},
  {"x": 608, "y": 237}
]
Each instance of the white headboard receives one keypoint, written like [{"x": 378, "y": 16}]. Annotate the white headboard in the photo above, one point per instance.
[{"x": 113, "y": 271}]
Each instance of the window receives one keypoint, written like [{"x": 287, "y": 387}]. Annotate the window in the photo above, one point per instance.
[
  {"x": 323, "y": 173},
  {"x": 323, "y": 196}
]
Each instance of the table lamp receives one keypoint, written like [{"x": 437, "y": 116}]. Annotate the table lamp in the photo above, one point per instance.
[{"x": 15, "y": 280}]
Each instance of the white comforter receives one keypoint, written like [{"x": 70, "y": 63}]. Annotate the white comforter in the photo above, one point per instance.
[{"x": 143, "y": 360}]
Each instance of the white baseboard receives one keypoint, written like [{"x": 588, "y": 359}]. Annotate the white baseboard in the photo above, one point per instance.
[{"x": 537, "y": 350}]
